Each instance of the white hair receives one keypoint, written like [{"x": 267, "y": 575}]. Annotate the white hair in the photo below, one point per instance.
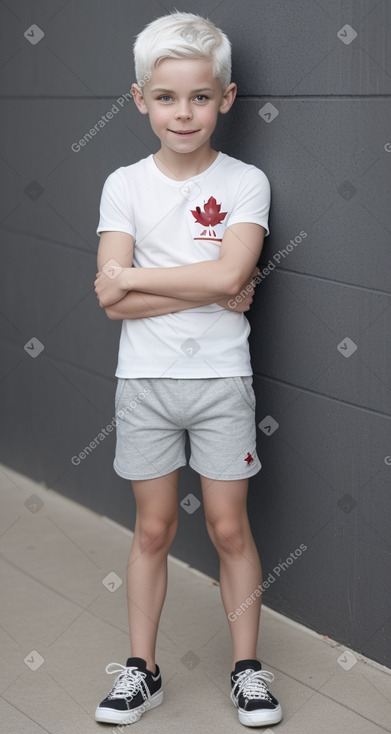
[{"x": 182, "y": 35}]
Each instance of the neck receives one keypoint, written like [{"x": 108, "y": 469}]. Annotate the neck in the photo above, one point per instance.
[{"x": 181, "y": 166}]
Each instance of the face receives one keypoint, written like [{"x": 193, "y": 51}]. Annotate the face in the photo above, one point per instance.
[{"x": 183, "y": 101}]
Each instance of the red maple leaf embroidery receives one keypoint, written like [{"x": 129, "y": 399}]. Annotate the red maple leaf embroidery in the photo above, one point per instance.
[
  {"x": 211, "y": 214},
  {"x": 249, "y": 459}
]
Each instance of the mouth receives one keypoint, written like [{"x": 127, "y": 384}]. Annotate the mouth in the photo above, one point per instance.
[{"x": 184, "y": 132}]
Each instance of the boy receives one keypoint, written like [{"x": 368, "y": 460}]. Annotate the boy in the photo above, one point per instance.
[{"x": 181, "y": 233}]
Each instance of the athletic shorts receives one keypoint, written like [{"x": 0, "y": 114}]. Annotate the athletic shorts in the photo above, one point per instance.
[{"x": 153, "y": 416}]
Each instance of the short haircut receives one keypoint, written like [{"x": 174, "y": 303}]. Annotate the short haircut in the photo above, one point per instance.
[{"x": 182, "y": 35}]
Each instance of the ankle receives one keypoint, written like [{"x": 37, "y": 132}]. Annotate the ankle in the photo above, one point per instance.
[
  {"x": 149, "y": 661},
  {"x": 150, "y": 664},
  {"x": 241, "y": 659}
]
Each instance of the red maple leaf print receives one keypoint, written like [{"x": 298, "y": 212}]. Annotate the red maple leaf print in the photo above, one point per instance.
[
  {"x": 249, "y": 459},
  {"x": 211, "y": 214}
]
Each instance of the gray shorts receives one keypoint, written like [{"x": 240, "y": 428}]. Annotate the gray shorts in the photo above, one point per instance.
[{"x": 154, "y": 414}]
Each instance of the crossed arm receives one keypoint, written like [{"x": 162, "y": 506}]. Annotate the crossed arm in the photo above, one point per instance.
[{"x": 127, "y": 292}]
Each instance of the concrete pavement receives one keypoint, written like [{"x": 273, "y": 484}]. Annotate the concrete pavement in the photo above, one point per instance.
[{"x": 64, "y": 618}]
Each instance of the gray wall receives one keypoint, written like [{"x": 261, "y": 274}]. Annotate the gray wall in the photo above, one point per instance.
[{"x": 326, "y": 476}]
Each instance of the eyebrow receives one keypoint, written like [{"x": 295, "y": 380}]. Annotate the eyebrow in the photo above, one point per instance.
[{"x": 194, "y": 91}]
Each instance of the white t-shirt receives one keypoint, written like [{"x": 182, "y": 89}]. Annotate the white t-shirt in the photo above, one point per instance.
[{"x": 179, "y": 223}]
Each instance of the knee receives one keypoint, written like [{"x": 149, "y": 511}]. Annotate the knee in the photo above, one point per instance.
[
  {"x": 228, "y": 536},
  {"x": 155, "y": 536}
]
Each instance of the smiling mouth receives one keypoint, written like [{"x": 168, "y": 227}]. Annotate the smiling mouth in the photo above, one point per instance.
[{"x": 184, "y": 132}]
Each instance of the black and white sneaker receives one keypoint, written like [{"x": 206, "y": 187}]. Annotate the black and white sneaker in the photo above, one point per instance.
[
  {"x": 135, "y": 691},
  {"x": 256, "y": 705}
]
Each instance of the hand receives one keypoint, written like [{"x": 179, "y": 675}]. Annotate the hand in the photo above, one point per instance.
[
  {"x": 112, "y": 287},
  {"x": 243, "y": 300}
]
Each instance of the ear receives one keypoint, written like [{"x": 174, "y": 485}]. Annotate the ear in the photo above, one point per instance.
[
  {"x": 139, "y": 99},
  {"x": 228, "y": 98}
]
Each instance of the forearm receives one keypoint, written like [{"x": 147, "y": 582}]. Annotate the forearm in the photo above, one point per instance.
[
  {"x": 138, "y": 305},
  {"x": 207, "y": 281}
]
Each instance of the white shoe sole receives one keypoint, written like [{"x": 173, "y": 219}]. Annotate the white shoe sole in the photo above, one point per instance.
[
  {"x": 110, "y": 716},
  {"x": 260, "y": 718}
]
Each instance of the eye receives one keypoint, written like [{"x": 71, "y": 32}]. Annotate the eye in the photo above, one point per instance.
[
  {"x": 164, "y": 98},
  {"x": 201, "y": 97}
]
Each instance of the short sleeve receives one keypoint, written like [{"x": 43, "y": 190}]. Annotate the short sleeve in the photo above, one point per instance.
[
  {"x": 252, "y": 201},
  {"x": 115, "y": 209}
]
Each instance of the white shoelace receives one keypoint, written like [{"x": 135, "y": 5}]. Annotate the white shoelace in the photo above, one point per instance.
[
  {"x": 252, "y": 684},
  {"x": 129, "y": 682}
]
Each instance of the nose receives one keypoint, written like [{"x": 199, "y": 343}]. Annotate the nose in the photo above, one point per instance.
[{"x": 183, "y": 110}]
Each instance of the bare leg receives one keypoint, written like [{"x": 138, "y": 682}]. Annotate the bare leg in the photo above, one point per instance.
[
  {"x": 155, "y": 528},
  {"x": 227, "y": 522}
]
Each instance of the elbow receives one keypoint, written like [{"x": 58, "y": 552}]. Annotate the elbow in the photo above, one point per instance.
[
  {"x": 233, "y": 285},
  {"x": 111, "y": 313},
  {"x": 232, "y": 289},
  {"x": 231, "y": 280}
]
